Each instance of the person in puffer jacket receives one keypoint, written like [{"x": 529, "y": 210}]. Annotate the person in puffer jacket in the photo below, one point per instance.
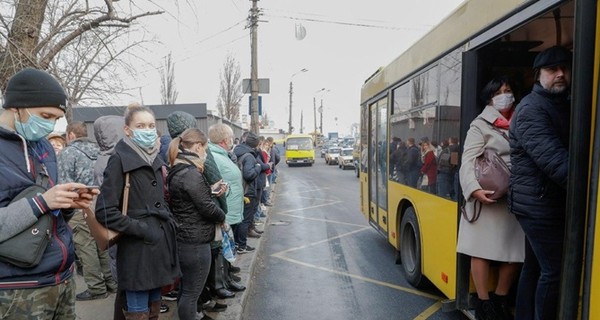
[
  {"x": 33, "y": 101},
  {"x": 539, "y": 142}
]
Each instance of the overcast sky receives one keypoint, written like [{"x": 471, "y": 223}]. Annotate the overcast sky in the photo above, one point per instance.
[{"x": 346, "y": 41}]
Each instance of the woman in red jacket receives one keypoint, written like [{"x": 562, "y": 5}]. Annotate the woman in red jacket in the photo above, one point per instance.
[{"x": 429, "y": 167}]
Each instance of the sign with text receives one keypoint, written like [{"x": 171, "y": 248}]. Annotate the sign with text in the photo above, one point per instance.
[{"x": 263, "y": 86}]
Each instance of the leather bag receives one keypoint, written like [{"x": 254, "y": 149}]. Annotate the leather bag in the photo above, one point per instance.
[
  {"x": 492, "y": 173},
  {"x": 106, "y": 237},
  {"x": 25, "y": 250}
]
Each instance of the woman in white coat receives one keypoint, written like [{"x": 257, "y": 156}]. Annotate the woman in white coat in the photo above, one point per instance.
[{"x": 496, "y": 234}]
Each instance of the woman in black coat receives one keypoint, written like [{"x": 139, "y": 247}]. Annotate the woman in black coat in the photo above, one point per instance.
[
  {"x": 196, "y": 215},
  {"x": 147, "y": 249}
]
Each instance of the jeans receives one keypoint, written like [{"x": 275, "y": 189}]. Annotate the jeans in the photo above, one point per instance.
[
  {"x": 240, "y": 233},
  {"x": 443, "y": 184},
  {"x": 537, "y": 295},
  {"x": 273, "y": 176},
  {"x": 138, "y": 301},
  {"x": 195, "y": 260},
  {"x": 412, "y": 177}
]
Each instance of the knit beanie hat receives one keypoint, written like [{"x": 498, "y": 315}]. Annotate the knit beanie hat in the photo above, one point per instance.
[
  {"x": 30, "y": 88},
  {"x": 178, "y": 122},
  {"x": 252, "y": 140}
]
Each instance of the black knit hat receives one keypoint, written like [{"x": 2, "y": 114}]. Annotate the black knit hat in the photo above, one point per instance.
[
  {"x": 178, "y": 122},
  {"x": 252, "y": 140},
  {"x": 30, "y": 88},
  {"x": 553, "y": 56}
]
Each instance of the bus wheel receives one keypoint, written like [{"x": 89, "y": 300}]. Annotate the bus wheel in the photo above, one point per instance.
[{"x": 410, "y": 248}]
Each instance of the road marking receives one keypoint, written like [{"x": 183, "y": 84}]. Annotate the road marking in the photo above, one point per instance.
[
  {"x": 381, "y": 283},
  {"x": 322, "y": 241},
  {"x": 310, "y": 190},
  {"x": 311, "y": 207},
  {"x": 322, "y": 220},
  {"x": 429, "y": 311}
]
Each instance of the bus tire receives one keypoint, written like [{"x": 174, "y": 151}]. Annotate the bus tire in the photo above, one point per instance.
[{"x": 410, "y": 248}]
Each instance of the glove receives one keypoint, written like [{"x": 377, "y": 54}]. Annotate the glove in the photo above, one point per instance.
[{"x": 246, "y": 200}]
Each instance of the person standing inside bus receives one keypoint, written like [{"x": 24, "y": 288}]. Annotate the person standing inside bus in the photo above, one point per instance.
[
  {"x": 539, "y": 140},
  {"x": 496, "y": 234}
]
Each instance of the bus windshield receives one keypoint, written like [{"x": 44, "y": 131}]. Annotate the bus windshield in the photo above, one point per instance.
[{"x": 299, "y": 144}]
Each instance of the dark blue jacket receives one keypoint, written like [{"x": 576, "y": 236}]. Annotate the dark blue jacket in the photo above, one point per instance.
[
  {"x": 251, "y": 169},
  {"x": 57, "y": 262},
  {"x": 539, "y": 142}
]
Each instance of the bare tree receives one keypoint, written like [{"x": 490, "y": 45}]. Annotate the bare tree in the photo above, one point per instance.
[
  {"x": 168, "y": 90},
  {"x": 56, "y": 34},
  {"x": 265, "y": 120},
  {"x": 230, "y": 92}
]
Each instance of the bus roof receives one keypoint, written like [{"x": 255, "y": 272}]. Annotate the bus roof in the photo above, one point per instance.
[{"x": 464, "y": 22}]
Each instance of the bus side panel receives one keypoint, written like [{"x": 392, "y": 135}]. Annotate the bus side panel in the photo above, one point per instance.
[{"x": 437, "y": 224}]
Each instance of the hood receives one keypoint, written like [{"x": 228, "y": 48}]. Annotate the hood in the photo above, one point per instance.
[
  {"x": 87, "y": 147},
  {"x": 242, "y": 149},
  {"x": 108, "y": 131}
]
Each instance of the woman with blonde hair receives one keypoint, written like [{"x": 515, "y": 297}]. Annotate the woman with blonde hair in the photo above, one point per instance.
[
  {"x": 196, "y": 214},
  {"x": 147, "y": 253}
]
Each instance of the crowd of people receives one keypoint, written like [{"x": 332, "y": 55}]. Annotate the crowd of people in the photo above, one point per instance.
[{"x": 184, "y": 205}]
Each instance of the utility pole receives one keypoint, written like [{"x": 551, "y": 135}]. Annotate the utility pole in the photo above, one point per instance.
[
  {"x": 315, "y": 114},
  {"x": 321, "y": 111},
  {"x": 290, "y": 120},
  {"x": 253, "y": 19},
  {"x": 301, "y": 121}
]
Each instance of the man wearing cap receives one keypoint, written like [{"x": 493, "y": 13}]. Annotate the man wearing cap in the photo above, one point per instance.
[
  {"x": 33, "y": 101},
  {"x": 539, "y": 141}
]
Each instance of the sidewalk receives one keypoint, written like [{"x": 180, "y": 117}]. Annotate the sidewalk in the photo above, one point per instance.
[{"x": 103, "y": 309}]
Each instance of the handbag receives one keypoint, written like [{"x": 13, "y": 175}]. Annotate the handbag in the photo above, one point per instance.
[
  {"x": 106, "y": 237},
  {"x": 492, "y": 173},
  {"x": 25, "y": 250}
]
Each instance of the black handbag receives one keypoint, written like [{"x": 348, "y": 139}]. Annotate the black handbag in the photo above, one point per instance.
[{"x": 26, "y": 249}]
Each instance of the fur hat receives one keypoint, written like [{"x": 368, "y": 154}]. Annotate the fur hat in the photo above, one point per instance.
[
  {"x": 178, "y": 122},
  {"x": 252, "y": 140},
  {"x": 30, "y": 88},
  {"x": 553, "y": 56}
]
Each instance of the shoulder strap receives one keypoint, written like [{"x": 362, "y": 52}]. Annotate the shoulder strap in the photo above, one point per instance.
[
  {"x": 126, "y": 195},
  {"x": 495, "y": 129}
]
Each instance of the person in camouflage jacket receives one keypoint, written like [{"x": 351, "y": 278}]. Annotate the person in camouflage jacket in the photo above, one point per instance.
[{"x": 76, "y": 164}]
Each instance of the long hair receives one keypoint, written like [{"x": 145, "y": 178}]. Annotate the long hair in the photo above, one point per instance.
[{"x": 187, "y": 140}]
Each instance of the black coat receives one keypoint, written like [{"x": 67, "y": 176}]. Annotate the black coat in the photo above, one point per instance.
[
  {"x": 147, "y": 250},
  {"x": 539, "y": 142},
  {"x": 192, "y": 205},
  {"x": 250, "y": 167}
]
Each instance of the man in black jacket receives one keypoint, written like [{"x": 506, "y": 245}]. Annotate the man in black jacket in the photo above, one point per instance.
[{"x": 539, "y": 141}]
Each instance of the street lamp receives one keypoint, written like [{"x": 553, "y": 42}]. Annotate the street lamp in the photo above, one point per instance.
[
  {"x": 291, "y": 91},
  {"x": 315, "y": 108},
  {"x": 320, "y": 109}
]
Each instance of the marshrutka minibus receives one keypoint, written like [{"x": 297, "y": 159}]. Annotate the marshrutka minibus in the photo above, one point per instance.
[
  {"x": 299, "y": 150},
  {"x": 431, "y": 90}
]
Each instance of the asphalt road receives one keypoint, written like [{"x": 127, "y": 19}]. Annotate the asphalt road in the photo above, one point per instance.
[{"x": 319, "y": 259}]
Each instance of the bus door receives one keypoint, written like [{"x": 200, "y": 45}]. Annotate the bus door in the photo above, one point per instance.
[{"x": 378, "y": 165}]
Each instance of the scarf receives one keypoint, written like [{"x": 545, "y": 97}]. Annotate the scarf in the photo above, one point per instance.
[{"x": 147, "y": 155}]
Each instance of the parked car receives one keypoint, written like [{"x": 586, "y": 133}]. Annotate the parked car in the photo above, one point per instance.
[
  {"x": 332, "y": 154},
  {"x": 345, "y": 158}
]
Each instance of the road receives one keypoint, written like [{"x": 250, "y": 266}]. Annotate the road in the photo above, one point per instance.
[{"x": 319, "y": 259}]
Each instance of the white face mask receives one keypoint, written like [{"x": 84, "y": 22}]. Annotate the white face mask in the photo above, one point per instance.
[{"x": 503, "y": 102}]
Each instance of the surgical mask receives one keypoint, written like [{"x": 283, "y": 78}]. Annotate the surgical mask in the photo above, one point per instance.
[
  {"x": 35, "y": 128},
  {"x": 503, "y": 102},
  {"x": 145, "y": 138}
]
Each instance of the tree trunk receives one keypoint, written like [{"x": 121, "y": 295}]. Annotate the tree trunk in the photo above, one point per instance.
[{"x": 23, "y": 37}]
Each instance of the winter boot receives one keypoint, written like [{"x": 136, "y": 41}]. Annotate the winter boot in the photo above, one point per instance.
[
  {"x": 154, "y": 310},
  {"x": 501, "y": 306},
  {"x": 136, "y": 315},
  {"x": 485, "y": 311}
]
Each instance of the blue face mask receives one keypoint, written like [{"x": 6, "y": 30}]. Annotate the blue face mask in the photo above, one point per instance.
[
  {"x": 145, "y": 138},
  {"x": 35, "y": 128}
]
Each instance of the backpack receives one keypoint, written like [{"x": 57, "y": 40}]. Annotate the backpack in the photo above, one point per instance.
[
  {"x": 240, "y": 164},
  {"x": 444, "y": 164}
]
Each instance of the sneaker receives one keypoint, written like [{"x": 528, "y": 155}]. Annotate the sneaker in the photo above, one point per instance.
[
  {"x": 245, "y": 249},
  {"x": 234, "y": 269},
  {"x": 87, "y": 295},
  {"x": 171, "y": 296},
  {"x": 253, "y": 234},
  {"x": 268, "y": 204},
  {"x": 164, "y": 308}
]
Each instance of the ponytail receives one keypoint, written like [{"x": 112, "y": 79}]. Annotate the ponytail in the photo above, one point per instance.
[{"x": 173, "y": 150}]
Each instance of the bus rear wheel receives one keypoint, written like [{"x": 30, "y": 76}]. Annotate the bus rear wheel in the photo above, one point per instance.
[{"x": 410, "y": 248}]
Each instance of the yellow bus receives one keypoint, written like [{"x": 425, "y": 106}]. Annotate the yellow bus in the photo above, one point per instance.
[
  {"x": 299, "y": 150},
  {"x": 431, "y": 90}
]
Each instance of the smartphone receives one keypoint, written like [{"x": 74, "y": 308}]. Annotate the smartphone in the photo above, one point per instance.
[
  {"x": 87, "y": 189},
  {"x": 217, "y": 188}
]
